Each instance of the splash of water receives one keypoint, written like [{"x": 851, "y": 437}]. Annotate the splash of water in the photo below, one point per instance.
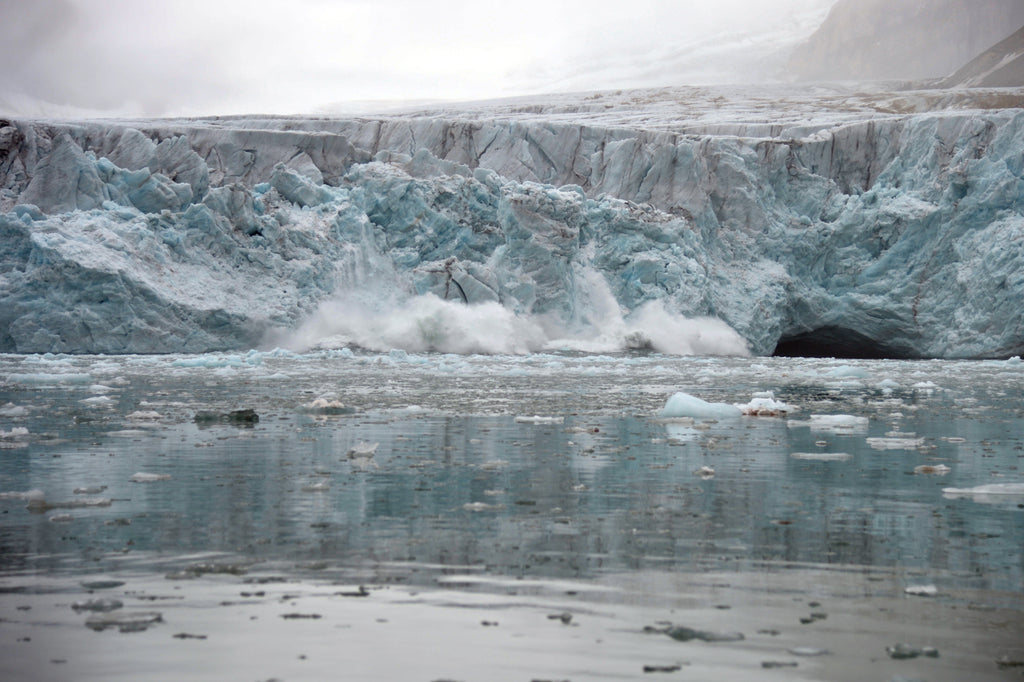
[{"x": 427, "y": 323}]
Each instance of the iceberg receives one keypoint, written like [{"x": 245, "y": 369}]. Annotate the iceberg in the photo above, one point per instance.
[
  {"x": 988, "y": 493},
  {"x": 682, "y": 405},
  {"x": 510, "y": 229}
]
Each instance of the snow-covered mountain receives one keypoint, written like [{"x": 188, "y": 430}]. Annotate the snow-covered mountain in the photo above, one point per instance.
[{"x": 848, "y": 221}]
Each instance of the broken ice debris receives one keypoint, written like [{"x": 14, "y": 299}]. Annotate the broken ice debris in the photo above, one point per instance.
[
  {"x": 990, "y": 493},
  {"x": 684, "y": 634},
  {"x": 143, "y": 477},
  {"x": 318, "y": 487},
  {"x": 536, "y": 419},
  {"x": 675, "y": 667},
  {"x": 922, "y": 590},
  {"x": 833, "y": 423},
  {"x": 362, "y": 450},
  {"x": 686, "y": 405},
  {"x": 200, "y": 569},
  {"x": 764, "y": 404},
  {"x": 904, "y": 651},
  {"x": 40, "y": 505},
  {"x": 98, "y": 605},
  {"x": 102, "y": 584},
  {"x": 822, "y": 456},
  {"x": 143, "y": 416},
  {"x": 932, "y": 469},
  {"x": 244, "y": 417},
  {"x": 895, "y": 443},
  {"x": 124, "y": 622},
  {"x": 28, "y": 495},
  {"x": 14, "y": 439},
  {"x": 327, "y": 406},
  {"x": 482, "y": 506},
  {"x": 847, "y": 372},
  {"x": 12, "y": 410}
]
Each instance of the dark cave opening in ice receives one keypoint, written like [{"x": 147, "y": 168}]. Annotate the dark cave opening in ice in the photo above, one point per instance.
[{"x": 836, "y": 342}]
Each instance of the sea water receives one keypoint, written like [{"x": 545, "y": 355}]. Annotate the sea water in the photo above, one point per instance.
[{"x": 429, "y": 516}]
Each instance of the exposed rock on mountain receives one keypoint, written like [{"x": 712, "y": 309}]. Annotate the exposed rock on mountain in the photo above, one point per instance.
[
  {"x": 1000, "y": 66},
  {"x": 864, "y": 40}
]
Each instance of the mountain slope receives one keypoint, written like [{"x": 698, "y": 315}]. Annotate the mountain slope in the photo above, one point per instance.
[
  {"x": 1000, "y": 66},
  {"x": 863, "y": 40}
]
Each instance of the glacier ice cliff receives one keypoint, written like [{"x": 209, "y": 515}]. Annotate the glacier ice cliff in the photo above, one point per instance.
[{"x": 851, "y": 230}]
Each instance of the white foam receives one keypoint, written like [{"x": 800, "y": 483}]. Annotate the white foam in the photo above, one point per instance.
[
  {"x": 420, "y": 324},
  {"x": 428, "y": 323},
  {"x": 674, "y": 334}
]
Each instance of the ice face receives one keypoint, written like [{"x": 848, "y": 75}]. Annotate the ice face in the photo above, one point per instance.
[{"x": 881, "y": 236}]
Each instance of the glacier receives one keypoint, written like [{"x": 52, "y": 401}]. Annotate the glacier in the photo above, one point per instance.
[{"x": 816, "y": 220}]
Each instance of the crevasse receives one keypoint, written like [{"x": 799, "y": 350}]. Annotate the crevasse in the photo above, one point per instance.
[{"x": 894, "y": 236}]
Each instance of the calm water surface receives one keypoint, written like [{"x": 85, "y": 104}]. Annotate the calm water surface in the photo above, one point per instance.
[{"x": 472, "y": 471}]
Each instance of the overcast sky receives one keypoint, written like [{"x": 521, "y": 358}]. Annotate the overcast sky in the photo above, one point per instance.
[{"x": 136, "y": 57}]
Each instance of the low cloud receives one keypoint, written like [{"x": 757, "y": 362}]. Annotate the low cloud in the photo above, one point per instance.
[{"x": 235, "y": 56}]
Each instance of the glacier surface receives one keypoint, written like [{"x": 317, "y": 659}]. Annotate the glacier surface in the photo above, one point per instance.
[{"x": 683, "y": 221}]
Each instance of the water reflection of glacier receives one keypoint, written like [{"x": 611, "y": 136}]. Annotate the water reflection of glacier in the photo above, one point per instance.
[{"x": 456, "y": 479}]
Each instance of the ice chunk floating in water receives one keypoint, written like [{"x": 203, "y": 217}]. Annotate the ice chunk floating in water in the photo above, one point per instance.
[
  {"x": 686, "y": 405},
  {"x": 989, "y": 493}
]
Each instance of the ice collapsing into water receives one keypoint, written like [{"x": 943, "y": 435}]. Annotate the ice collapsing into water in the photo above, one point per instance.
[
  {"x": 428, "y": 323},
  {"x": 881, "y": 235}
]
